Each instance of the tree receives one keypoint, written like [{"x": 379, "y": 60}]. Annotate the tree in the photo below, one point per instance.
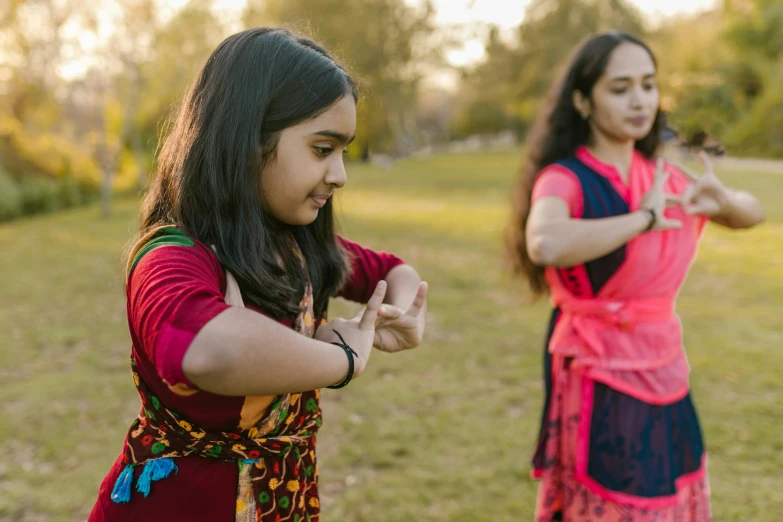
[
  {"x": 550, "y": 32},
  {"x": 98, "y": 121},
  {"x": 516, "y": 75},
  {"x": 486, "y": 100},
  {"x": 34, "y": 134},
  {"x": 181, "y": 46},
  {"x": 384, "y": 43},
  {"x": 755, "y": 28}
]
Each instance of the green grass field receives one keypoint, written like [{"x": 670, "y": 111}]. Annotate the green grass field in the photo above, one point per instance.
[{"x": 442, "y": 433}]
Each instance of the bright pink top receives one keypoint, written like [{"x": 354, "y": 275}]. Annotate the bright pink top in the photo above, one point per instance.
[{"x": 628, "y": 335}]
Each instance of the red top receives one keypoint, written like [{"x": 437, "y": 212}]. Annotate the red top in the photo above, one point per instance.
[
  {"x": 627, "y": 335},
  {"x": 173, "y": 292}
]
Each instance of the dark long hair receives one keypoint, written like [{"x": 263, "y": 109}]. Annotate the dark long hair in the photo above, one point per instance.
[
  {"x": 557, "y": 133},
  {"x": 208, "y": 177}
]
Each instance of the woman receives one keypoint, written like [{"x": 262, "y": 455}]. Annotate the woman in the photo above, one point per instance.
[
  {"x": 610, "y": 231},
  {"x": 228, "y": 288}
]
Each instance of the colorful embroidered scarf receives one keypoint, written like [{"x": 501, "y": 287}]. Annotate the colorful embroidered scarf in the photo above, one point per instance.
[{"x": 275, "y": 457}]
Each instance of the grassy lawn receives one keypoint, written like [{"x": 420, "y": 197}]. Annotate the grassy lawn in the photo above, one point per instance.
[{"x": 443, "y": 433}]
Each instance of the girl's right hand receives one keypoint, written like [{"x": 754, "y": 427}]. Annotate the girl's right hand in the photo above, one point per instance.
[
  {"x": 657, "y": 200},
  {"x": 359, "y": 332}
]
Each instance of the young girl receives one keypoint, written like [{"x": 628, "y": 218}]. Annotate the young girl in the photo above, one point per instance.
[
  {"x": 228, "y": 285},
  {"x": 620, "y": 440}
]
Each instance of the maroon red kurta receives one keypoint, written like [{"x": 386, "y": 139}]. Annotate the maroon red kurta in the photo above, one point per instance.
[{"x": 173, "y": 292}]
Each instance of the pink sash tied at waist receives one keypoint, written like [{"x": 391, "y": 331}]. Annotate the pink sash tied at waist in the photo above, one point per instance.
[{"x": 633, "y": 345}]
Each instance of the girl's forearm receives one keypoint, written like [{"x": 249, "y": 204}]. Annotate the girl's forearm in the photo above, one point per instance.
[
  {"x": 571, "y": 242},
  {"x": 242, "y": 352},
  {"x": 403, "y": 281},
  {"x": 742, "y": 210}
]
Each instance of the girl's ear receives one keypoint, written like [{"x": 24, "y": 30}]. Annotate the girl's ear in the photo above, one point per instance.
[{"x": 582, "y": 104}]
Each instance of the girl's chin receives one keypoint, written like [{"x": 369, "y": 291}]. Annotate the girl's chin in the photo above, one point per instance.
[
  {"x": 638, "y": 134},
  {"x": 303, "y": 218}
]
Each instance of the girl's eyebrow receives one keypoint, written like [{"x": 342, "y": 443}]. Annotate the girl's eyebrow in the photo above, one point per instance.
[
  {"x": 628, "y": 78},
  {"x": 339, "y": 136}
]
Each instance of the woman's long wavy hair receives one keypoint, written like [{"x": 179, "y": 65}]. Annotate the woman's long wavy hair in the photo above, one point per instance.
[
  {"x": 557, "y": 133},
  {"x": 208, "y": 176}
]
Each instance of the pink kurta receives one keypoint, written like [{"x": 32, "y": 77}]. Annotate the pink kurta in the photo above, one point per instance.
[{"x": 623, "y": 336}]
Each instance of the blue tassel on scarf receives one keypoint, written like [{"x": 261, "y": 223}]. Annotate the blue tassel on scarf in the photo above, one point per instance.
[
  {"x": 122, "y": 488},
  {"x": 154, "y": 470}
]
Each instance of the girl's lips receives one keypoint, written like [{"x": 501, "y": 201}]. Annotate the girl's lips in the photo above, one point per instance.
[{"x": 320, "y": 200}]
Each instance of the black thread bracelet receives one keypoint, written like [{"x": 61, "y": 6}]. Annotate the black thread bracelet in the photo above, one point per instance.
[
  {"x": 351, "y": 354},
  {"x": 653, "y": 218}
]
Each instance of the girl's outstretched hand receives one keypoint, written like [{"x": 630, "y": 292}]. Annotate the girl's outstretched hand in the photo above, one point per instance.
[
  {"x": 397, "y": 329},
  {"x": 657, "y": 200},
  {"x": 706, "y": 195},
  {"x": 358, "y": 332}
]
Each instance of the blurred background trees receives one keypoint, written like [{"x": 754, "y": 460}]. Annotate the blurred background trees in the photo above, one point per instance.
[{"x": 86, "y": 87}]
